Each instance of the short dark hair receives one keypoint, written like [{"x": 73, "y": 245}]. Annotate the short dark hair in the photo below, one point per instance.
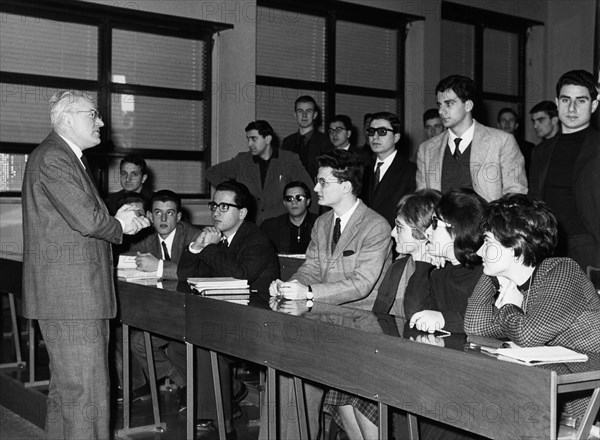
[
  {"x": 346, "y": 167},
  {"x": 306, "y": 98},
  {"x": 432, "y": 113},
  {"x": 391, "y": 118},
  {"x": 463, "y": 86},
  {"x": 548, "y": 107},
  {"x": 263, "y": 128},
  {"x": 416, "y": 210},
  {"x": 344, "y": 119},
  {"x": 137, "y": 160},
  {"x": 367, "y": 117},
  {"x": 463, "y": 209},
  {"x": 166, "y": 195},
  {"x": 524, "y": 225},
  {"x": 578, "y": 78},
  {"x": 297, "y": 184},
  {"x": 242, "y": 196},
  {"x": 507, "y": 110},
  {"x": 133, "y": 197}
]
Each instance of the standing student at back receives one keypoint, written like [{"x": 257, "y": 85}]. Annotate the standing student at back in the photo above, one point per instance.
[{"x": 469, "y": 154}]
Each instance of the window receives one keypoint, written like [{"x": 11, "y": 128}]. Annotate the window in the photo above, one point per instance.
[
  {"x": 349, "y": 57},
  {"x": 490, "y": 48},
  {"x": 150, "y": 74}
]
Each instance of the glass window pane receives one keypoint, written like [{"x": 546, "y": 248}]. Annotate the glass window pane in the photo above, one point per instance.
[
  {"x": 25, "y": 116},
  {"x": 458, "y": 49},
  {"x": 500, "y": 62},
  {"x": 360, "y": 61},
  {"x": 12, "y": 169},
  {"x": 44, "y": 47},
  {"x": 356, "y": 107},
  {"x": 291, "y": 45},
  {"x": 156, "y": 60},
  {"x": 158, "y": 123},
  {"x": 183, "y": 177},
  {"x": 276, "y": 106}
]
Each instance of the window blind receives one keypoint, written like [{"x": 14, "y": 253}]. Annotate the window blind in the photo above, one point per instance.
[
  {"x": 458, "y": 49},
  {"x": 500, "y": 62}
]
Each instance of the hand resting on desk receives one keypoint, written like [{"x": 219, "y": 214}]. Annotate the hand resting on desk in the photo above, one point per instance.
[
  {"x": 288, "y": 290},
  {"x": 427, "y": 321}
]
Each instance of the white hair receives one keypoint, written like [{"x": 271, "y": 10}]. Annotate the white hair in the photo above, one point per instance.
[{"x": 62, "y": 102}]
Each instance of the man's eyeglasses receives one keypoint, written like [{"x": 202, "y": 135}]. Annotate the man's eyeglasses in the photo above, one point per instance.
[
  {"x": 381, "y": 131},
  {"x": 323, "y": 181},
  {"x": 336, "y": 130},
  {"x": 298, "y": 198},
  {"x": 435, "y": 220},
  {"x": 93, "y": 114},
  {"x": 223, "y": 207}
]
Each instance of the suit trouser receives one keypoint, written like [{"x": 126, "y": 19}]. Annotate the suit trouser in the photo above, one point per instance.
[
  {"x": 77, "y": 406},
  {"x": 206, "y": 405}
]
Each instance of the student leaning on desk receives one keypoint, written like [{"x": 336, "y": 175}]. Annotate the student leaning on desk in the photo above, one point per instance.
[{"x": 527, "y": 296}]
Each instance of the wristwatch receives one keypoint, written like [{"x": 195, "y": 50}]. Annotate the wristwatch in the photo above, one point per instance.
[{"x": 310, "y": 295}]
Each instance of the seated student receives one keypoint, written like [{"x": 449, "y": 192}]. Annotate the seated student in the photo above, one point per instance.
[
  {"x": 437, "y": 299},
  {"x": 290, "y": 232},
  {"x": 233, "y": 247},
  {"x": 133, "y": 175},
  {"x": 158, "y": 253},
  {"x": 360, "y": 417}
]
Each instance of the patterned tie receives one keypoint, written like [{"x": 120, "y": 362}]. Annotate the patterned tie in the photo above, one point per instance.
[
  {"x": 457, "y": 152},
  {"x": 165, "y": 251},
  {"x": 337, "y": 232},
  {"x": 88, "y": 169},
  {"x": 378, "y": 174}
]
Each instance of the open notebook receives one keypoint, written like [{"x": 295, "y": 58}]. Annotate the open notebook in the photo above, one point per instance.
[{"x": 537, "y": 355}]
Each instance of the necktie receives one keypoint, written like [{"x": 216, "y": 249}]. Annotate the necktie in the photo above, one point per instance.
[
  {"x": 165, "y": 251},
  {"x": 376, "y": 177},
  {"x": 337, "y": 232},
  {"x": 457, "y": 152},
  {"x": 88, "y": 169}
]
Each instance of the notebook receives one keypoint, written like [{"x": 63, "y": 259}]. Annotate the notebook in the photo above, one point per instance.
[{"x": 537, "y": 355}]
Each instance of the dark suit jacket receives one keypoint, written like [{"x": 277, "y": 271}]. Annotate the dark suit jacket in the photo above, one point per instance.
[
  {"x": 184, "y": 235},
  {"x": 398, "y": 181},
  {"x": 586, "y": 174},
  {"x": 318, "y": 144},
  {"x": 67, "y": 231},
  {"x": 250, "y": 256}
]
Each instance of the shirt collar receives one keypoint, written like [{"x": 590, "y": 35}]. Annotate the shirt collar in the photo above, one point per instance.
[
  {"x": 169, "y": 240},
  {"x": 466, "y": 138},
  {"x": 73, "y": 147},
  {"x": 346, "y": 217}
]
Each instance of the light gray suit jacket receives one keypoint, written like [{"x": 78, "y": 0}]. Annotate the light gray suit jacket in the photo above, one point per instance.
[
  {"x": 67, "y": 231},
  {"x": 353, "y": 273},
  {"x": 497, "y": 165}
]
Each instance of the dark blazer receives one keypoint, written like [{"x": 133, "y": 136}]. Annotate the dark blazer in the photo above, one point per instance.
[
  {"x": 184, "y": 235},
  {"x": 318, "y": 144},
  {"x": 250, "y": 256},
  {"x": 366, "y": 157},
  {"x": 67, "y": 231},
  {"x": 398, "y": 181},
  {"x": 586, "y": 184}
]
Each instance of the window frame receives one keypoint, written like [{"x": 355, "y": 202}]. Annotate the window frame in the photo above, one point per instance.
[
  {"x": 333, "y": 11},
  {"x": 106, "y": 19}
]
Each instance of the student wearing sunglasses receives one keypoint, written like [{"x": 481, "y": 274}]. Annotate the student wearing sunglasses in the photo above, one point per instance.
[{"x": 290, "y": 232}]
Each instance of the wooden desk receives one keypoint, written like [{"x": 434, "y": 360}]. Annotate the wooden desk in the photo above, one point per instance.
[{"x": 453, "y": 385}]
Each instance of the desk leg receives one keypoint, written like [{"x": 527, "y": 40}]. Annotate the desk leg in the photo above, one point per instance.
[
  {"x": 126, "y": 384},
  {"x": 383, "y": 421},
  {"x": 191, "y": 414},
  {"x": 588, "y": 419},
  {"x": 413, "y": 426},
  {"x": 272, "y": 402},
  {"x": 300, "y": 408},
  {"x": 152, "y": 379},
  {"x": 214, "y": 364},
  {"x": 15, "y": 330}
]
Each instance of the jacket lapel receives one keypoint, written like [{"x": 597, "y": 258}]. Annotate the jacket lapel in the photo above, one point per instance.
[{"x": 349, "y": 232}]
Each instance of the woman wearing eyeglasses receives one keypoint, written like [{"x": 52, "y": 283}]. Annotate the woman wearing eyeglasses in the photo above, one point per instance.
[{"x": 436, "y": 299}]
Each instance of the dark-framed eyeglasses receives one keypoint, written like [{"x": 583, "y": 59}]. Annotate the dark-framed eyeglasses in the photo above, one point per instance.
[
  {"x": 336, "y": 130},
  {"x": 381, "y": 131},
  {"x": 92, "y": 114},
  {"x": 298, "y": 198},
  {"x": 223, "y": 207},
  {"x": 435, "y": 220}
]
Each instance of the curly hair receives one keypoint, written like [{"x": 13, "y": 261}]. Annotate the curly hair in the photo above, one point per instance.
[{"x": 526, "y": 226}]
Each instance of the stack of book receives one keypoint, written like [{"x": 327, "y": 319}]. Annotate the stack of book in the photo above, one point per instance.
[{"x": 225, "y": 288}]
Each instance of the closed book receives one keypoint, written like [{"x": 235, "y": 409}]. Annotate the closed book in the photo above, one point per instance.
[{"x": 538, "y": 355}]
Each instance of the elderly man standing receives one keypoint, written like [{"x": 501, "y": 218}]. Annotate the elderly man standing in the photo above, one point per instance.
[{"x": 67, "y": 267}]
